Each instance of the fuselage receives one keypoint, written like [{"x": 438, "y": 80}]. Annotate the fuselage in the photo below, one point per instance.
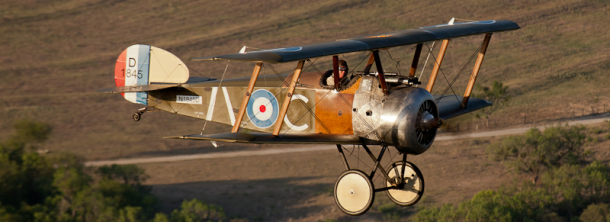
[
  {"x": 312, "y": 108},
  {"x": 360, "y": 109}
]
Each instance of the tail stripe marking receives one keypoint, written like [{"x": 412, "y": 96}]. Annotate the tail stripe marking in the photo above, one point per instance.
[
  {"x": 229, "y": 106},
  {"x": 137, "y": 64},
  {"x": 208, "y": 116}
]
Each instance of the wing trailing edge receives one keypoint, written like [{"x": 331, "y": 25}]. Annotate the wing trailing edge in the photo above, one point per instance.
[{"x": 269, "y": 138}]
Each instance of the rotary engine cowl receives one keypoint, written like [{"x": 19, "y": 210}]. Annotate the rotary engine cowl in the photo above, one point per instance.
[{"x": 407, "y": 118}]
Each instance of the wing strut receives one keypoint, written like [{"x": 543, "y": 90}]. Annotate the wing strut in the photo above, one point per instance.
[
  {"x": 336, "y": 71},
  {"x": 293, "y": 84},
  {"x": 475, "y": 71},
  {"x": 244, "y": 103},
  {"x": 415, "y": 60},
  {"x": 381, "y": 75},
  {"x": 369, "y": 64},
  {"x": 437, "y": 66}
]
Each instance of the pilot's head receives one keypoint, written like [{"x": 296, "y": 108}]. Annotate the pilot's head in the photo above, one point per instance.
[{"x": 343, "y": 69}]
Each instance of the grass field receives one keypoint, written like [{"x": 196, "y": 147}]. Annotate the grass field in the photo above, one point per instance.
[
  {"x": 55, "y": 54},
  {"x": 299, "y": 187}
]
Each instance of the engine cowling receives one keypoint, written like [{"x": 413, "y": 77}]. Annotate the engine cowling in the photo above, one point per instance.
[{"x": 407, "y": 118}]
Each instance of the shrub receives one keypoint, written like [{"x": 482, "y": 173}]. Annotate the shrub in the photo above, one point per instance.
[
  {"x": 563, "y": 194},
  {"x": 537, "y": 151},
  {"x": 596, "y": 213}
]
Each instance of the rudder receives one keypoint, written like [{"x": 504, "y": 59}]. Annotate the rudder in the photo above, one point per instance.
[{"x": 142, "y": 65}]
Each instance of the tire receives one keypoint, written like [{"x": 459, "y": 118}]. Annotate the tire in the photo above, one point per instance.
[
  {"x": 354, "y": 192},
  {"x": 136, "y": 117},
  {"x": 411, "y": 190}
]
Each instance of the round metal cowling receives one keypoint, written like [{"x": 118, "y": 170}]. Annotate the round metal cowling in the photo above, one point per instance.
[{"x": 409, "y": 120}]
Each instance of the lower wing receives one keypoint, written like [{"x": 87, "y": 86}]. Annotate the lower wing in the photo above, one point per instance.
[
  {"x": 270, "y": 138},
  {"x": 451, "y": 105}
]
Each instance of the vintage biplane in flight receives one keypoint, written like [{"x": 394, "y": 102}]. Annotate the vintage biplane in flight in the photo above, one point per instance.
[{"x": 364, "y": 108}]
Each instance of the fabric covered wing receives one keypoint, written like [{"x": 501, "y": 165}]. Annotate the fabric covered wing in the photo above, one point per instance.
[
  {"x": 371, "y": 42},
  {"x": 269, "y": 138},
  {"x": 450, "y": 106}
]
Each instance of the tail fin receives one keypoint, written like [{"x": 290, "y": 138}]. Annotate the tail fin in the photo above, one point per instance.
[{"x": 140, "y": 65}]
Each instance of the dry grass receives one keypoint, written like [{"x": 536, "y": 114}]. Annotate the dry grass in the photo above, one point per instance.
[
  {"x": 299, "y": 187},
  {"x": 289, "y": 187}
]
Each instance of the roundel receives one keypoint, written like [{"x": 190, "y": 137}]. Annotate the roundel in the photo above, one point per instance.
[{"x": 262, "y": 108}]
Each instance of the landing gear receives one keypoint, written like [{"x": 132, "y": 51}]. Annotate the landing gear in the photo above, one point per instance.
[
  {"x": 355, "y": 192},
  {"x": 138, "y": 115},
  {"x": 410, "y": 184}
]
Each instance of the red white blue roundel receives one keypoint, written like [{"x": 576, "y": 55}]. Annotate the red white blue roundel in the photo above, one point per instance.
[{"x": 262, "y": 108}]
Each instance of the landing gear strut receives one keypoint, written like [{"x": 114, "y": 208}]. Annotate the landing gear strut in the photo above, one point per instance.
[
  {"x": 355, "y": 192},
  {"x": 138, "y": 115}
]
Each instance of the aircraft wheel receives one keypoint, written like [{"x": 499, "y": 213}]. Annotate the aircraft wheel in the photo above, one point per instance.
[
  {"x": 354, "y": 192},
  {"x": 411, "y": 189},
  {"x": 136, "y": 117}
]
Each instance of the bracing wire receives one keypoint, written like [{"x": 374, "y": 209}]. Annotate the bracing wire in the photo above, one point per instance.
[
  {"x": 464, "y": 66},
  {"x": 219, "y": 85},
  {"x": 445, "y": 76},
  {"x": 427, "y": 57}
]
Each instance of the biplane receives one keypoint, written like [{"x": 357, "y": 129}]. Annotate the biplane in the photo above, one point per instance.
[{"x": 364, "y": 108}]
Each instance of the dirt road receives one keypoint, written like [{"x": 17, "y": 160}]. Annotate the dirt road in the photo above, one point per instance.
[{"x": 440, "y": 137}]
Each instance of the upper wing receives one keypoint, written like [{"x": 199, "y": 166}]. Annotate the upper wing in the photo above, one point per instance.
[
  {"x": 370, "y": 42},
  {"x": 449, "y": 106}
]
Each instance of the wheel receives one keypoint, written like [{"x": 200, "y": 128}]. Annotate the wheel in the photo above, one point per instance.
[
  {"x": 411, "y": 189},
  {"x": 354, "y": 192},
  {"x": 136, "y": 117}
]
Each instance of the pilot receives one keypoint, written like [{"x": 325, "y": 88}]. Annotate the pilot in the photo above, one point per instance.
[{"x": 343, "y": 69}]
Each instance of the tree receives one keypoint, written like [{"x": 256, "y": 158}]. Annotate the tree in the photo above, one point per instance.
[
  {"x": 123, "y": 185},
  {"x": 596, "y": 213},
  {"x": 56, "y": 187},
  {"x": 31, "y": 131},
  {"x": 130, "y": 174},
  {"x": 25, "y": 177},
  {"x": 497, "y": 95},
  {"x": 131, "y": 214},
  {"x": 537, "y": 151},
  {"x": 195, "y": 210},
  {"x": 564, "y": 194}
]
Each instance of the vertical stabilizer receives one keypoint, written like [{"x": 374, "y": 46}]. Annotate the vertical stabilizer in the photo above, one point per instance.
[{"x": 142, "y": 65}]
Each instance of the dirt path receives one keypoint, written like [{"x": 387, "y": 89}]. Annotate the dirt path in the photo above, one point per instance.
[{"x": 441, "y": 137}]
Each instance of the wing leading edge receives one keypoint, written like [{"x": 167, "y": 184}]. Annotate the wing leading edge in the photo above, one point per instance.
[{"x": 370, "y": 42}]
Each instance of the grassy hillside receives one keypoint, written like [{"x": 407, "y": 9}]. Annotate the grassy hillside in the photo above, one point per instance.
[{"x": 55, "y": 54}]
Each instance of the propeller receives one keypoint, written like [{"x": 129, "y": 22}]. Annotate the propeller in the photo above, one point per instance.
[{"x": 427, "y": 122}]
